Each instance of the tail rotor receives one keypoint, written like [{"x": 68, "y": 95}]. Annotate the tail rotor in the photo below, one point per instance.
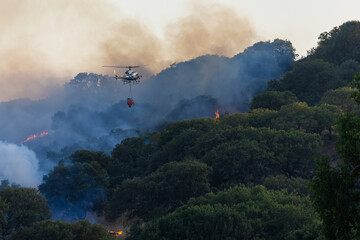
[{"x": 115, "y": 76}]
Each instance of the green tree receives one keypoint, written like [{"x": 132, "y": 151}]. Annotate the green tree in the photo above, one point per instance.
[
  {"x": 250, "y": 154},
  {"x": 340, "y": 44},
  {"x": 340, "y": 97},
  {"x": 298, "y": 116},
  {"x": 293, "y": 151},
  {"x": 302, "y": 117},
  {"x": 239, "y": 161},
  {"x": 336, "y": 189},
  {"x": 348, "y": 69},
  {"x": 130, "y": 159},
  {"x": 273, "y": 100},
  {"x": 4, "y": 208},
  {"x": 335, "y": 201},
  {"x": 277, "y": 57},
  {"x": 22, "y": 207},
  {"x": 309, "y": 80},
  {"x": 290, "y": 184},
  {"x": 174, "y": 142},
  {"x": 6, "y": 183},
  {"x": 58, "y": 230},
  {"x": 92, "y": 163},
  {"x": 237, "y": 213},
  {"x": 73, "y": 189},
  {"x": 160, "y": 192},
  {"x": 259, "y": 117}
]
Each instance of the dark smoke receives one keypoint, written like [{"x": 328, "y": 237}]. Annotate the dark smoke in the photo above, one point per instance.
[{"x": 44, "y": 43}]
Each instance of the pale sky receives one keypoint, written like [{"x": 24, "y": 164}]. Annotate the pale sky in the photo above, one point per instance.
[
  {"x": 300, "y": 21},
  {"x": 44, "y": 44}
]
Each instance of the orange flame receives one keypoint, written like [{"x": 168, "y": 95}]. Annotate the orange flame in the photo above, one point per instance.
[
  {"x": 118, "y": 233},
  {"x": 31, "y": 137},
  {"x": 217, "y": 116}
]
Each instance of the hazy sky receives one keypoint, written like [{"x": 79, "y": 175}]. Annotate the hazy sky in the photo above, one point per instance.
[
  {"x": 300, "y": 21},
  {"x": 45, "y": 43}
]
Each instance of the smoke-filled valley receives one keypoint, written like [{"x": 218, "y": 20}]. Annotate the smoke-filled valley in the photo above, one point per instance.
[{"x": 91, "y": 113}]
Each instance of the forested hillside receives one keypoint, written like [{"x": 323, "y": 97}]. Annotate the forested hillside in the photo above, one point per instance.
[{"x": 239, "y": 176}]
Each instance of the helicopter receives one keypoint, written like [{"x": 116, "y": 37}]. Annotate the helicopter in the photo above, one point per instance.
[{"x": 129, "y": 77}]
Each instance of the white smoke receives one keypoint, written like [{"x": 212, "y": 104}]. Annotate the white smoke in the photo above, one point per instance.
[{"x": 19, "y": 164}]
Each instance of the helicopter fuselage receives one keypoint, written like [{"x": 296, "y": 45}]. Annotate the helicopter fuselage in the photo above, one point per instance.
[{"x": 129, "y": 76}]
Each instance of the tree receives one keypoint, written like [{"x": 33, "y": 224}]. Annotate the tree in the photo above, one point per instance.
[
  {"x": 6, "y": 183},
  {"x": 336, "y": 189},
  {"x": 58, "y": 230},
  {"x": 298, "y": 116},
  {"x": 160, "y": 192},
  {"x": 174, "y": 142},
  {"x": 302, "y": 117},
  {"x": 277, "y": 57},
  {"x": 130, "y": 159},
  {"x": 290, "y": 184},
  {"x": 239, "y": 161},
  {"x": 340, "y": 44},
  {"x": 73, "y": 189},
  {"x": 251, "y": 154},
  {"x": 259, "y": 117},
  {"x": 177, "y": 149},
  {"x": 273, "y": 100},
  {"x": 309, "y": 80},
  {"x": 92, "y": 163},
  {"x": 335, "y": 201},
  {"x": 4, "y": 208},
  {"x": 340, "y": 97},
  {"x": 236, "y": 213},
  {"x": 348, "y": 69},
  {"x": 22, "y": 207}
]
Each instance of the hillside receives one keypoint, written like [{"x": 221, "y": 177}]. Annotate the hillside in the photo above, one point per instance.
[{"x": 170, "y": 169}]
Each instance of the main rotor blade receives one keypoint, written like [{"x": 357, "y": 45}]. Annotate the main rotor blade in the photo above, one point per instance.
[{"x": 125, "y": 66}]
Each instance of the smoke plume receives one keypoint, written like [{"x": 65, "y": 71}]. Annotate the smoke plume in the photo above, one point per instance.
[
  {"x": 45, "y": 43},
  {"x": 19, "y": 164},
  {"x": 209, "y": 29}
]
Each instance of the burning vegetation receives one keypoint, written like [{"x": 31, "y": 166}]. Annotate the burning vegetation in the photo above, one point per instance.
[
  {"x": 116, "y": 233},
  {"x": 31, "y": 137},
  {"x": 217, "y": 116}
]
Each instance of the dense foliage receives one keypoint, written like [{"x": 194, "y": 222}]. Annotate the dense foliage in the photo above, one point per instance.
[
  {"x": 237, "y": 213},
  {"x": 297, "y": 116},
  {"x": 162, "y": 191},
  {"x": 58, "y": 230},
  {"x": 24, "y": 215},
  {"x": 20, "y": 207},
  {"x": 336, "y": 189},
  {"x": 310, "y": 80},
  {"x": 340, "y": 44},
  {"x": 340, "y": 97},
  {"x": 273, "y": 100},
  {"x": 73, "y": 189}
]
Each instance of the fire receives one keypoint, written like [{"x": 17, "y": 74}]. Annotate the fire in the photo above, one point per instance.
[
  {"x": 31, "y": 137},
  {"x": 118, "y": 233},
  {"x": 217, "y": 116}
]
